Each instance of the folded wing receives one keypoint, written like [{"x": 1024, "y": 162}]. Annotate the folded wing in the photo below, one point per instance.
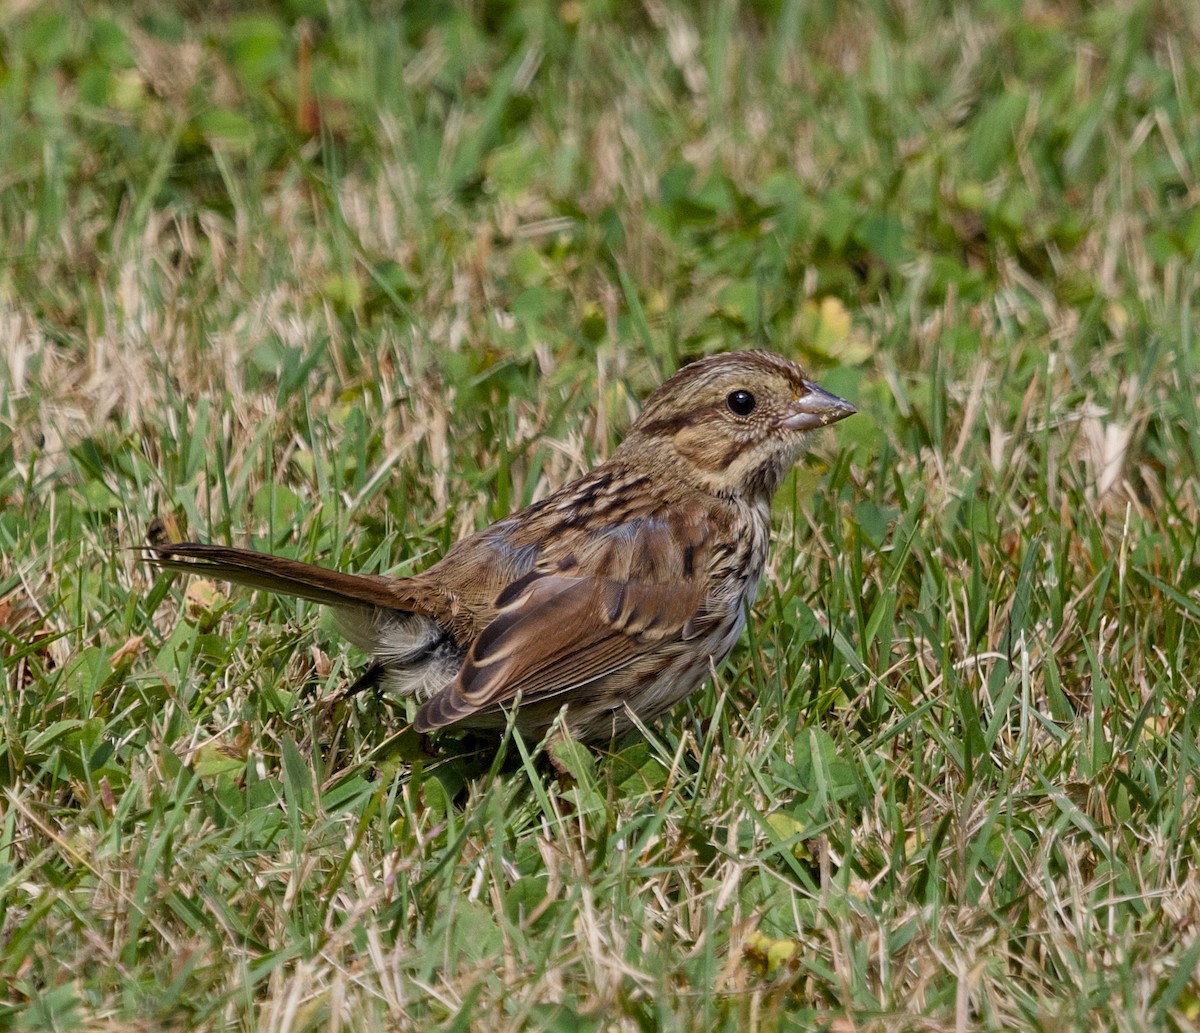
[{"x": 557, "y": 631}]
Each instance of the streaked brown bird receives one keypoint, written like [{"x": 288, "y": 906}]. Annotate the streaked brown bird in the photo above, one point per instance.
[{"x": 610, "y": 600}]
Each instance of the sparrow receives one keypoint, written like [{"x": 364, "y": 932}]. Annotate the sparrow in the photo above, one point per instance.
[{"x": 602, "y": 605}]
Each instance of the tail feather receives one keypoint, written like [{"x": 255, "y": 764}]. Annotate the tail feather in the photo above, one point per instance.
[{"x": 282, "y": 575}]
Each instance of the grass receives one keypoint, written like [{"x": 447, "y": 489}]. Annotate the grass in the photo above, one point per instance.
[{"x": 348, "y": 283}]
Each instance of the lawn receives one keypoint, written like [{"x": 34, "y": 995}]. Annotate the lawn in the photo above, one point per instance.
[{"x": 347, "y": 281}]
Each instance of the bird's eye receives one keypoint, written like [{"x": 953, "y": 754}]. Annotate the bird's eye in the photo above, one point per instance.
[{"x": 741, "y": 403}]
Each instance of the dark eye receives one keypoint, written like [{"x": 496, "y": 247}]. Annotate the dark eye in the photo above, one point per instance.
[{"x": 741, "y": 403}]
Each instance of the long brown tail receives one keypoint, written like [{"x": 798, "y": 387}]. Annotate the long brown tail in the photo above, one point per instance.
[{"x": 282, "y": 575}]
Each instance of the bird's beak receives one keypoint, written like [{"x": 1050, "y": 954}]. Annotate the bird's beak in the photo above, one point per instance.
[{"x": 816, "y": 408}]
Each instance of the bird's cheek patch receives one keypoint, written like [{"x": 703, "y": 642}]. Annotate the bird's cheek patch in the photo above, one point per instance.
[{"x": 707, "y": 450}]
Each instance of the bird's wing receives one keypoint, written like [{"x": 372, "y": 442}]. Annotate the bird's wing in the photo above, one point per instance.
[{"x": 553, "y": 632}]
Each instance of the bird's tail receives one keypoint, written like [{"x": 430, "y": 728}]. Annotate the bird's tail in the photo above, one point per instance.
[{"x": 280, "y": 575}]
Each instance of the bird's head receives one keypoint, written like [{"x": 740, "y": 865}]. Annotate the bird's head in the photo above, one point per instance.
[{"x": 732, "y": 425}]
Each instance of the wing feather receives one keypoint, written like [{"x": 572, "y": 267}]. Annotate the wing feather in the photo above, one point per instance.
[{"x": 553, "y": 633}]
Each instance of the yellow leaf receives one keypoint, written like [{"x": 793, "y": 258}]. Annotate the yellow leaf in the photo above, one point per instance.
[
  {"x": 212, "y": 760},
  {"x": 785, "y": 825},
  {"x": 824, "y": 326},
  {"x": 769, "y": 953},
  {"x": 787, "y": 828},
  {"x": 203, "y": 598}
]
